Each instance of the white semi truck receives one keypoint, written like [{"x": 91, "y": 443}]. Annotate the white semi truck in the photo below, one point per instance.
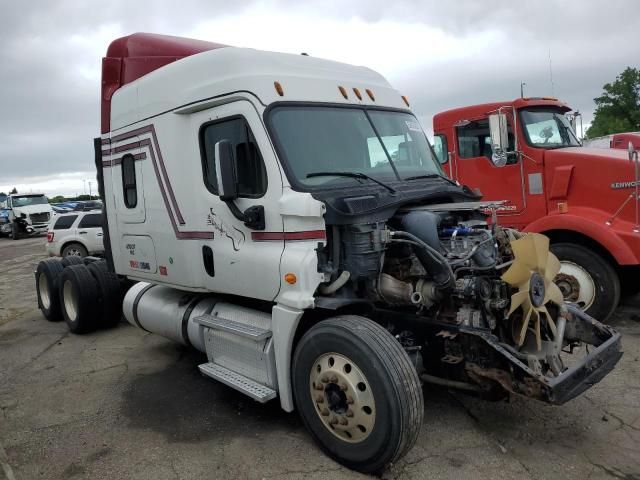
[
  {"x": 28, "y": 213},
  {"x": 286, "y": 215}
]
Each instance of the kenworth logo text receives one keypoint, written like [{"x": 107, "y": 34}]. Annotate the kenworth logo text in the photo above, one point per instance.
[{"x": 620, "y": 185}]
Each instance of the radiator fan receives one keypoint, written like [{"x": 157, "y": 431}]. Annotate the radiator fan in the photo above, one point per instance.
[{"x": 532, "y": 273}]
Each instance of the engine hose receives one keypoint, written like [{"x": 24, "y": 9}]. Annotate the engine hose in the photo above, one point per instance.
[
  {"x": 433, "y": 261},
  {"x": 336, "y": 285}
]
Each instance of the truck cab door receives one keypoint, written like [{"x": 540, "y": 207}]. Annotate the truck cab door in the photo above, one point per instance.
[
  {"x": 236, "y": 260},
  {"x": 475, "y": 169}
]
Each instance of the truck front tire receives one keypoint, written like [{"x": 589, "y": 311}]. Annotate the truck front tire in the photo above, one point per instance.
[
  {"x": 47, "y": 276},
  {"x": 78, "y": 298},
  {"x": 357, "y": 392},
  {"x": 587, "y": 279},
  {"x": 15, "y": 231}
]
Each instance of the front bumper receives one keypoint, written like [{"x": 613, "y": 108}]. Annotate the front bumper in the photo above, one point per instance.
[{"x": 589, "y": 370}]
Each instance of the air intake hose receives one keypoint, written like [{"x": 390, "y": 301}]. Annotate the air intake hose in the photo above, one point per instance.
[{"x": 423, "y": 227}]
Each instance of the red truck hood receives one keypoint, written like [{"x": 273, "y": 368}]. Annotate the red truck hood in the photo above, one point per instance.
[{"x": 591, "y": 177}]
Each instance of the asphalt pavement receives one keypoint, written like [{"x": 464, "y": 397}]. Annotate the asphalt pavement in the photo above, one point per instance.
[{"x": 126, "y": 404}]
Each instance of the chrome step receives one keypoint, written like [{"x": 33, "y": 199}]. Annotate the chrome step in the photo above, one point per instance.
[
  {"x": 242, "y": 329},
  {"x": 253, "y": 389}
]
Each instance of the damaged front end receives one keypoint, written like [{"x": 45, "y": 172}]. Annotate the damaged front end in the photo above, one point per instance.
[
  {"x": 473, "y": 304},
  {"x": 531, "y": 375}
]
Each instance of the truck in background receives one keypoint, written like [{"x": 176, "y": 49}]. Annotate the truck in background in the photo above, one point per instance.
[
  {"x": 581, "y": 198},
  {"x": 286, "y": 216},
  {"x": 26, "y": 214},
  {"x": 620, "y": 141}
]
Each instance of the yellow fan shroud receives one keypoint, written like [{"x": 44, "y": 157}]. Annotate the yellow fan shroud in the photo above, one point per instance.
[{"x": 532, "y": 273}]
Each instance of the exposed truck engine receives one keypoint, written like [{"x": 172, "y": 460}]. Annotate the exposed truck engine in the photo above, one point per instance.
[{"x": 290, "y": 220}]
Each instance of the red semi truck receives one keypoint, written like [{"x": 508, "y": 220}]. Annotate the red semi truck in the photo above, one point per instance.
[{"x": 584, "y": 199}]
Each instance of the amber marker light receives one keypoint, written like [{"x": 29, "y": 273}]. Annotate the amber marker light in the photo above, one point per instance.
[
  {"x": 278, "y": 88},
  {"x": 406, "y": 101},
  {"x": 563, "y": 207},
  {"x": 357, "y": 92},
  {"x": 371, "y": 96},
  {"x": 343, "y": 91},
  {"x": 290, "y": 278}
]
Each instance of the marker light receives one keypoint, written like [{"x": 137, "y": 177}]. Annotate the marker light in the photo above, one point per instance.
[
  {"x": 563, "y": 207},
  {"x": 370, "y": 93},
  {"x": 357, "y": 92},
  {"x": 343, "y": 91},
  {"x": 278, "y": 88},
  {"x": 406, "y": 102},
  {"x": 290, "y": 278}
]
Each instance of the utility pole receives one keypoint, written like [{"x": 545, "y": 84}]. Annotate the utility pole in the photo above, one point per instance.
[
  {"x": 90, "y": 190},
  {"x": 551, "y": 74},
  {"x": 522, "y": 84}
]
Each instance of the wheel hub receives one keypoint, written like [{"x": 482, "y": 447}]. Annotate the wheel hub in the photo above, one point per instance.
[
  {"x": 43, "y": 285},
  {"x": 569, "y": 286},
  {"x": 576, "y": 284},
  {"x": 343, "y": 397}
]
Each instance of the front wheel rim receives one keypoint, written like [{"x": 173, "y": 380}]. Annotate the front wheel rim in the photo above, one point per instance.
[
  {"x": 571, "y": 274},
  {"x": 343, "y": 397},
  {"x": 43, "y": 287}
]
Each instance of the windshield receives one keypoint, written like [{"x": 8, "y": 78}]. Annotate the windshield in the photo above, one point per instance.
[
  {"x": 388, "y": 146},
  {"x": 25, "y": 200},
  {"x": 548, "y": 129}
]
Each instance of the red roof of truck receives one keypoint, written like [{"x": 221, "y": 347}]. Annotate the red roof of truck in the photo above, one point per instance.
[
  {"x": 471, "y": 112},
  {"x": 131, "y": 57}
]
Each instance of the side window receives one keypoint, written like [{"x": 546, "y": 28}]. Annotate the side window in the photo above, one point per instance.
[
  {"x": 91, "y": 221},
  {"x": 129, "y": 189},
  {"x": 441, "y": 148},
  {"x": 64, "y": 222},
  {"x": 474, "y": 140},
  {"x": 251, "y": 172}
]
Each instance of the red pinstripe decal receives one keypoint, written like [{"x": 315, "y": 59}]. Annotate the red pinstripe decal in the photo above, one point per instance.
[
  {"x": 161, "y": 176},
  {"x": 270, "y": 236}
]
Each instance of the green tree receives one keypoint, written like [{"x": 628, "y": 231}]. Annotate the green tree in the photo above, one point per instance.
[
  {"x": 618, "y": 108},
  {"x": 57, "y": 199},
  {"x": 14, "y": 191}
]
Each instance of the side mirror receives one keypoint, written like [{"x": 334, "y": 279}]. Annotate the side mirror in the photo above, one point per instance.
[
  {"x": 499, "y": 133},
  {"x": 226, "y": 171},
  {"x": 632, "y": 152}
]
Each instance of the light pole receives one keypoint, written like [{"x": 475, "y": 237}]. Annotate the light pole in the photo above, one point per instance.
[{"x": 90, "y": 190}]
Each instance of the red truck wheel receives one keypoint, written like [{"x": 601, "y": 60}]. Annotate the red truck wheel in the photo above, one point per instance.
[{"x": 587, "y": 279}]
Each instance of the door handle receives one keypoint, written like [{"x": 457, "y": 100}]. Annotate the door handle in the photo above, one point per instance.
[{"x": 82, "y": 233}]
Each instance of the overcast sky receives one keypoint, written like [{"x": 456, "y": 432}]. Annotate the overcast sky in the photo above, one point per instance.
[{"x": 440, "y": 54}]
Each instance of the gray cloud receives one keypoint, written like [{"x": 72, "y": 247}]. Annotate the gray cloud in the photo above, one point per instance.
[{"x": 49, "y": 67}]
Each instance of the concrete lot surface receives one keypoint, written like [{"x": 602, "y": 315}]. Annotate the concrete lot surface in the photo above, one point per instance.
[{"x": 123, "y": 403}]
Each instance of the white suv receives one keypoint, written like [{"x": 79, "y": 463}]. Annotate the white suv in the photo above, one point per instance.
[{"x": 77, "y": 233}]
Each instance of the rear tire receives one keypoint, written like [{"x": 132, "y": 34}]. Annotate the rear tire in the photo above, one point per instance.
[
  {"x": 74, "y": 250},
  {"x": 109, "y": 294},
  {"x": 47, "y": 276},
  {"x": 383, "y": 414},
  {"x": 71, "y": 260},
  {"x": 591, "y": 273},
  {"x": 78, "y": 297}
]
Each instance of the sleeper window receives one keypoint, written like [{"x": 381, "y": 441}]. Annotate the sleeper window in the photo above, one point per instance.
[
  {"x": 129, "y": 189},
  {"x": 251, "y": 173}
]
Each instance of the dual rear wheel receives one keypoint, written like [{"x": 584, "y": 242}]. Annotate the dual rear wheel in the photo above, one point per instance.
[{"x": 86, "y": 297}]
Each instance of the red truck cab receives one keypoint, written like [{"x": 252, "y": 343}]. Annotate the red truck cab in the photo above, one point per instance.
[{"x": 583, "y": 199}]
